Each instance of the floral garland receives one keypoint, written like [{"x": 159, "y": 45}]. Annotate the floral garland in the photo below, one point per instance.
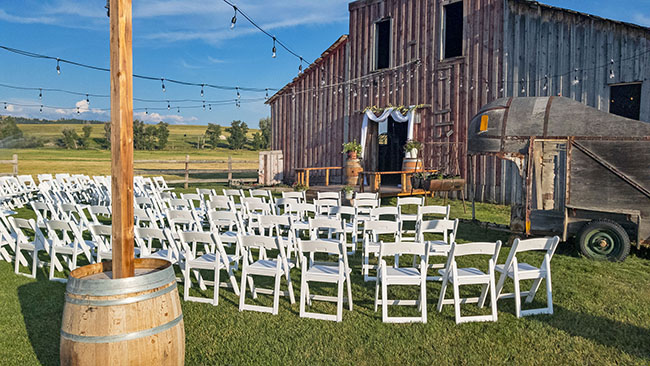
[{"x": 402, "y": 109}]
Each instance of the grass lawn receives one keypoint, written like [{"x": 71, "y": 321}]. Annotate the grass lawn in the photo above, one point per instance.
[{"x": 601, "y": 317}]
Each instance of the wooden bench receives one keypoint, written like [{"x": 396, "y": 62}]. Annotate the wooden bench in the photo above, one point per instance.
[{"x": 302, "y": 174}]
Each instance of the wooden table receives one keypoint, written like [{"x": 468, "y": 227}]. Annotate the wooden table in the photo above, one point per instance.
[
  {"x": 302, "y": 174},
  {"x": 374, "y": 178}
]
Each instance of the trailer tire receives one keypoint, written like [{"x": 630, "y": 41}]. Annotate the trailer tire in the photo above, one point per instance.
[{"x": 604, "y": 240}]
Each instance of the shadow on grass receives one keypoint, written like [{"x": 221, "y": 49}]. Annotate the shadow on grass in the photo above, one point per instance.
[
  {"x": 41, "y": 303},
  {"x": 628, "y": 338}
]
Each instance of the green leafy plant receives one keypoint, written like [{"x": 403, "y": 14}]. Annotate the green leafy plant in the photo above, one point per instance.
[
  {"x": 299, "y": 187},
  {"x": 347, "y": 189},
  {"x": 352, "y": 146},
  {"x": 412, "y": 144}
]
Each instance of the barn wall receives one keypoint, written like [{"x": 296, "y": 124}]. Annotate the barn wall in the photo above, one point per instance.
[{"x": 509, "y": 46}]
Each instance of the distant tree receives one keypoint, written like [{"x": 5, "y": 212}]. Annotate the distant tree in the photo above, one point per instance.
[
  {"x": 107, "y": 135},
  {"x": 85, "y": 138},
  {"x": 150, "y": 140},
  {"x": 265, "y": 126},
  {"x": 237, "y": 138},
  {"x": 162, "y": 133},
  {"x": 259, "y": 143},
  {"x": 9, "y": 129},
  {"x": 213, "y": 134},
  {"x": 70, "y": 138},
  {"x": 139, "y": 137}
]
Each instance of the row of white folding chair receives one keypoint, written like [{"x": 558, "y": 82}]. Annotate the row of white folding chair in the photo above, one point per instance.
[{"x": 64, "y": 239}]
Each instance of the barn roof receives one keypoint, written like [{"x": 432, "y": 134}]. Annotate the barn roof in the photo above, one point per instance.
[{"x": 340, "y": 41}]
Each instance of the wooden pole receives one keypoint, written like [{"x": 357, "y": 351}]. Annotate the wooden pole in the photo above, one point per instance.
[
  {"x": 15, "y": 163},
  {"x": 187, "y": 171},
  {"x": 229, "y": 171},
  {"x": 122, "y": 137}
]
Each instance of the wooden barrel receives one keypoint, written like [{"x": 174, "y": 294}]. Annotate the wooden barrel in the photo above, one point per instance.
[
  {"x": 410, "y": 165},
  {"x": 352, "y": 169},
  {"x": 127, "y": 321}
]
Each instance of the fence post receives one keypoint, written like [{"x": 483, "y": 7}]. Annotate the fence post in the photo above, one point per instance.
[
  {"x": 187, "y": 170},
  {"x": 229, "y": 171},
  {"x": 15, "y": 170}
]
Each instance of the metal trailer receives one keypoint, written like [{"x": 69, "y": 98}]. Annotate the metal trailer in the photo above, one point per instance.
[{"x": 582, "y": 172}]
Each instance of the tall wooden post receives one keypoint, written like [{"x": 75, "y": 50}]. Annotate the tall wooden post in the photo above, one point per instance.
[{"x": 122, "y": 137}]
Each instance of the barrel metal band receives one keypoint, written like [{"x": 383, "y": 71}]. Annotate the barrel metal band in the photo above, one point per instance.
[
  {"x": 123, "y": 301},
  {"x": 150, "y": 281},
  {"x": 121, "y": 337}
]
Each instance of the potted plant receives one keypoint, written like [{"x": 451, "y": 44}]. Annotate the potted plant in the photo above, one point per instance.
[
  {"x": 417, "y": 180},
  {"x": 352, "y": 148},
  {"x": 411, "y": 148},
  {"x": 435, "y": 182},
  {"x": 348, "y": 191},
  {"x": 299, "y": 187}
]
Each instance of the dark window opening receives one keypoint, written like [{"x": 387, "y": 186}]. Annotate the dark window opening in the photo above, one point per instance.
[
  {"x": 625, "y": 100},
  {"x": 453, "y": 30},
  {"x": 382, "y": 46}
]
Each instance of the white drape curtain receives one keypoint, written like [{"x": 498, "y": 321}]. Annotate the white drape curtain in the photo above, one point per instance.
[{"x": 392, "y": 112}]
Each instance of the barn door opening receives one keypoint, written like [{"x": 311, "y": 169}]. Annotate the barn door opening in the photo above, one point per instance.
[{"x": 392, "y": 137}]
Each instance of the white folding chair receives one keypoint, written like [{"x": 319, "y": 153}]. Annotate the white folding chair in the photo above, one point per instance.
[
  {"x": 228, "y": 224},
  {"x": 23, "y": 244},
  {"x": 366, "y": 196},
  {"x": 213, "y": 258},
  {"x": 403, "y": 204},
  {"x": 265, "y": 194},
  {"x": 157, "y": 243},
  {"x": 348, "y": 215},
  {"x": 440, "y": 248},
  {"x": 329, "y": 196},
  {"x": 221, "y": 203},
  {"x": 65, "y": 240},
  {"x": 300, "y": 196},
  {"x": 470, "y": 276},
  {"x": 97, "y": 212},
  {"x": 327, "y": 272},
  {"x": 282, "y": 228},
  {"x": 102, "y": 236},
  {"x": 276, "y": 268},
  {"x": 524, "y": 271},
  {"x": 235, "y": 196},
  {"x": 323, "y": 205},
  {"x": 404, "y": 276},
  {"x": 371, "y": 232}
]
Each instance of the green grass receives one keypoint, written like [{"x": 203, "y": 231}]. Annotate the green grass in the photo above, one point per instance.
[{"x": 601, "y": 318}]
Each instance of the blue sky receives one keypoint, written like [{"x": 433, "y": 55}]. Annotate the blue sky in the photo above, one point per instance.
[{"x": 187, "y": 40}]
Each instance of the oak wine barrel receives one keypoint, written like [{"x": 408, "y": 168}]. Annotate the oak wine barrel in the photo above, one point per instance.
[
  {"x": 127, "y": 321},
  {"x": 352, "y": 170},
  {"x": 411, "y": 165}
]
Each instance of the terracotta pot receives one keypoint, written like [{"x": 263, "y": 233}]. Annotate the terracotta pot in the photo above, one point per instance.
[{"x": 352, "y": 155}]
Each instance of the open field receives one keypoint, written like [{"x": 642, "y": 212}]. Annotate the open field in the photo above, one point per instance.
[
  {"x": 601, "y": 318},
  {"x": 98, "y": 162}
]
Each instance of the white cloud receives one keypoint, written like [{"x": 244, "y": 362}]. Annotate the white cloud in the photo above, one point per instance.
[
  {"x": 25, "y": 20},
  {"x": 641, "y": 19},
  {"x": 154, "y": 117},
  {"x": 82, "y": 106}
]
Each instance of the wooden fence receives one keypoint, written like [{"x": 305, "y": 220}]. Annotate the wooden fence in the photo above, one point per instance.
[
  {"x": 186, "y": 171},
  {"x": 14, "y": 163}
]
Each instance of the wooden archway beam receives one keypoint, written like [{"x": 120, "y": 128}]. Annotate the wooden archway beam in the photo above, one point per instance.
[{"x": 122, "y": 137}]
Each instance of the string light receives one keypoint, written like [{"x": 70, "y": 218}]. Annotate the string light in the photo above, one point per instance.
[
  {"x": 146, "y": 111},
  {"x": 202, "y": 85},
  {"x": 168, "y": 106},
  {"x": 40, "y": 93},
  {"x": 274, "y": 50},
  {"x": 300, "y": 67},
  {"x": 238, "y": 95},
  {"x": 209, "y": 107},
  {"x": 87, "y": 99},
  {"x": 162, "y": 81},
  {"x": 234, "y": 18},
  {"x": 203, "y": 105},
  {"x": 41, "y": 109},
  {"x": 611, "y": 70},
  {"x": 5, "y": 105},
  {"x": 77, "y": 110},
  {"x": 266, "y": 96},
  {"x": 575, "y": 78},
  {"x": 178, "y": 110},
  {"x": 523, "y": 86},
  {"x": 58, "y": 67},
  {"x": 545, "y": 83}
]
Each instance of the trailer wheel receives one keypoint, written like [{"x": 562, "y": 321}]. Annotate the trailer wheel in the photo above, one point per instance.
[{"x": 604, "y": 240}]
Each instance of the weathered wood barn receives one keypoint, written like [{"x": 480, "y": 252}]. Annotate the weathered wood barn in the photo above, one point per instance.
[{"x": 447, "y": 58}]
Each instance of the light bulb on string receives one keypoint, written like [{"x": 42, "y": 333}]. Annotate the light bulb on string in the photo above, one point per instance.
[
  {"x": 545, "y": 83},
  {"x": 78, "y": 110},
  {"x": 58, "y": 67},
  {"x": 273, "y": 54},
  {"x": 178, "y": 110},
  {"x": 168, "y": 106},
  {"x": 266, "y": 95},
  {"x": 611, "y": 70},
  {"x": 40, "y": 94},
  {"x": 238, "y": 95},
  {"x": 146, "y": 111},
  {"x": 202, "y": 85},
  {"x": 209, "y": 107},
  {"x": 523, "y": 86},
  {"x": 234, "y": 18},
  {"x": 300, "y": 67},
  {"x": 87, "y": 99},
  {"x": 41, "y": 109},
  {"x": 575, "y": 78},
  {"x": 162, "y": 80},
  {"x": 5, "y": 105},
  {"x": 204, "y": 105}
]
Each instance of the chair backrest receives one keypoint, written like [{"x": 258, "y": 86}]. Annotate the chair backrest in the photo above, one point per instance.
[
  {"x": 63, "y": 232},
  {"x": 366, "y": 196},
  {"x": 329, "y": 196},
  {"x": 206, "y": 193},
  {"x": 224, "y": 220},
  {"x": 432, "y": 210},
  {"x": 190, "y": 239},
  {"x": 416, "y": 201},
  {"x": 380, "y": 213},
  {"x": 261, "y": 193},
  {"x": 399, "y": 248},
  {"x": 144, "y": 237},
  {"x": 281, "y": 205},
  {"x": 234, "y": 194},
  {"x": 366, "y": 203},
  {"x": 320, "y": 246},
  {"x": 102, "y": 236},
  {"x": 445, "y": 227},
  {"x": 548, "y": 245},
  {"x": 184, "y": 220},
  {"x": 180, "y": 204},
  {"x": 300, "y": 196},
  {"x": 329, "y": 226},
  {"x": 323, "y": 205},
  {"x": 260, "y": 241},
  {"x": 96, "y": 211},
  {"x": 220, "y": 203},
  {"x": 478, "y": 248},
  {"x": 374, "y": 228},
  {"x": 301, "y": 211},
  {"x": 275, "y": 225}
]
